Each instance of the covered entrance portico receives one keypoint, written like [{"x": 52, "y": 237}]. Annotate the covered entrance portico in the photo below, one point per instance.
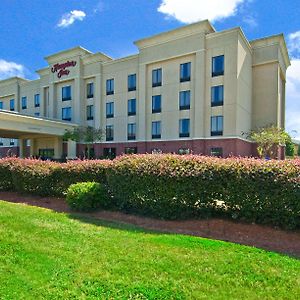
[{"x": 45, "y": 135}]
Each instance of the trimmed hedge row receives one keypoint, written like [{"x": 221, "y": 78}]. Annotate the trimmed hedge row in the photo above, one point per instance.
[{"x": 172, "y": 186}]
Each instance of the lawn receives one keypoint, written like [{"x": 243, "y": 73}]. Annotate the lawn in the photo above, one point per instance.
[{"x": 48, "y": 255}]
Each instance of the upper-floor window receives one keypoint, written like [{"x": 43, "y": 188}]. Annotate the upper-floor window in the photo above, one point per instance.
[
  {"x": 1, "y": 105},
  {"x": 216, "y": 125},
  {"x": 66, "y": 93},
  {"x": 12, "y": 104},
  {"x": 185, "y": 72},
  {"x": 131, "y": 131},
  {"x": 184, "y": 100},
  {"x": 156, "y": 129},
  {"x": 90, "y": 90},
  {"x": 131, "y": 82},
  {"x": 37, "y": 100},
  {"x": 184, "y": 127},
  {"x": 218, "y": 66},
  {"x": 110, "y": 110},
  {"x": 156, "y": 77},
  {"x": 24, "y": 102},
  {"x": 131, "y": 107},
  {"x": 217, "y": 95},
  {"x": 109, "y": 132},
  {"x": 156, "y": 104},
  {"x": 66, "y": 113},
  {"x": 90, "y": 112},
  {"x": 110, "y": 86}
]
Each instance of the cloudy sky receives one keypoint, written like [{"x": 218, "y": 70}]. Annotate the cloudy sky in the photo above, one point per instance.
[{"x": 33, "y": 29}]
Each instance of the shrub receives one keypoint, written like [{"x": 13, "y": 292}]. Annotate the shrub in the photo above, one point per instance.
[
  {"x": 87, "y": 196},
  {"x": 6, "y": 180},
  {"x": 176, "y": 187}
]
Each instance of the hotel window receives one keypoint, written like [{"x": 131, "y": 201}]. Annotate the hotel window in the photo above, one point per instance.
[
  {"x": 24, "y": 102},
  {"x": 156, "y": 129},
  {"x": 218, "y": 151},
  {"x": 185, "y": 72},
  {"x": 156, "y": 151},
  {"x": 217, "y": 95},
  {"x": 131, "y": 82},
  {"x": 184, "y": 100},
  {"x": 90, "y": 90},
  {"x": 109, "y": 132},
  {"x": 184, "y": 151},
  {"x": 131, "y": 150},
  {"x": 66, "y": 93},
  {"x": 110, "y": 86},
  {"x": 184, "y": 127},
  {"x": 11, "y": 142},
  {"x": 37, "y": 100},
  {"x": 131, "y": 131},
  {"x": 37, "y": 114},
  {"x": 90, "y": 112},
  {"x": 1, "y": 141},
  {"x": 12, "y": 105},
  {"x": 156, "y": 77},
  {"x": 109, "y": 110},
  {"x": 1, "y": 105},
  {"x": 218, "y": 66},
  {"x": 216, "y": 125},
  {"x": 156, "y": 104},
  {"x": 131, "y": 107},
  {"x": 66, "y": 113}
]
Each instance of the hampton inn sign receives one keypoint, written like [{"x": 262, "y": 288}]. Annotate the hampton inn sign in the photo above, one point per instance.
[{"x": 61, "y": 70}]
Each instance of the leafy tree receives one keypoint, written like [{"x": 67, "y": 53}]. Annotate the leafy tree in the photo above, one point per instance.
[
  {"x": 289, "y": 147},
  {"x": 268, "y": 139},
  {"x": 298, "y": 152},
  {"x": 85, "y": 134}
]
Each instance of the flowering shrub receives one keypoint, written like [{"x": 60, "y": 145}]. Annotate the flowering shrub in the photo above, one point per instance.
[{"x": 175, "y": 187}]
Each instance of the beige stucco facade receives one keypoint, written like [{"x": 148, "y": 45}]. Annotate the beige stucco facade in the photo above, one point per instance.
[{"x": 253, "y": 81}]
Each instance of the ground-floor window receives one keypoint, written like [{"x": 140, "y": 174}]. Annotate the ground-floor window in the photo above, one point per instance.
[
  {"x": 46, "y": 153},
  {"x": 109, "y": 153},
  {"x": 156, "y": 151},
  {"x": 217, "y": 151},
  {"x": 130, "y": 150},
  {"x": 183, "y": 151}
]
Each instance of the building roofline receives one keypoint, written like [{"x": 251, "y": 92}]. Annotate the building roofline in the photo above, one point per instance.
[
  {"x": 15, "y": 78},
  {"x": 77, "y": 48}
]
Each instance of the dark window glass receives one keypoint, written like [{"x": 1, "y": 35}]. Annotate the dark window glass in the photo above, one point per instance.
[
  {"x": 156, "y": 104},
  {"x": 216, "y": 125},
  {"x": 131, "y": 107},
  {"x": 110, "y": 110},
  {"x": 131, "y": 82},
  {"x": 46, "y": 153},
  {"x": 1, "y": 142},
  {"x": 12, "y": 105},
  {"x": 90, "y": 90},
  {"x": 184, "y": 127},
  {"x": 66, "y": 93},
  {"x": 184, "y": 151},
  {"x": 216, "y": 151},
  {"x": 218, "y": 66},
  {"x": 156, "y": 130},
  {"x": 24, "y": 102},
  {"x": 90, "y": 112},
  {"x": 184, "y": 100},
  {"x": 1, "y": 105},
  {"x": 110, "y": 86},
  {"x": 67, "y": 113},
  {"x": 156, "y": 77},
  {"x": 110, "y": 153},
  {"x": 217, "y": 95},
  {"x": 109, "y": 132},
  {"x": 131, "y": 131},
  {"x": 185, "y": 72},
  {"x": 37, "y": 100},
  {"x": 12, "y": 142},
  {"x": 131, "y": 150}
]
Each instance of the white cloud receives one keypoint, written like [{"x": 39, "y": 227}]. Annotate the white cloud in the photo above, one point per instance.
[
  {"x": 189, "y": 11},
  {"x": 293, "y": 98},
  {"x": 294, "y": 43},
  {"x": 10, "y": 69},
  {"x": 69, "y": 18}
]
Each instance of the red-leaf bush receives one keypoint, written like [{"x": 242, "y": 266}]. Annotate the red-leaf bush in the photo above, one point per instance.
[{"x": 176, "y": 187}]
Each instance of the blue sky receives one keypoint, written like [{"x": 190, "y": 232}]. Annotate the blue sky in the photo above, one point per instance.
[{"x": 31, "y": 30}]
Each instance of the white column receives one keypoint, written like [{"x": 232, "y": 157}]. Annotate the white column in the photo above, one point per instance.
[
  {"x": 58, "y": 147},
  {"x": 32, "y": 147},
  {"x": 71, "y": 149},
  {"x": 22, "y": 148}
]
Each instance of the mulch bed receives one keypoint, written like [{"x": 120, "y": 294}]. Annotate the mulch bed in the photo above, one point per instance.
[{"x": 268, "y": 238}]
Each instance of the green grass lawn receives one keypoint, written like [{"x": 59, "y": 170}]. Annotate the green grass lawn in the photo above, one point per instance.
[{"x": 47, "y": 255}]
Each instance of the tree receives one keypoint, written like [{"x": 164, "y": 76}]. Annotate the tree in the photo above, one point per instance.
[
  {"x": 298, "y": 152},
  {"x": 289, "y": 147},
  {"x": 268, "y": 139},
  {"x": 85, "y": 134}
]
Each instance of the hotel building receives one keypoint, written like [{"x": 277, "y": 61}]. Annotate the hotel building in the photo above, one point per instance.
[{"x": 191, "y": 89}]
